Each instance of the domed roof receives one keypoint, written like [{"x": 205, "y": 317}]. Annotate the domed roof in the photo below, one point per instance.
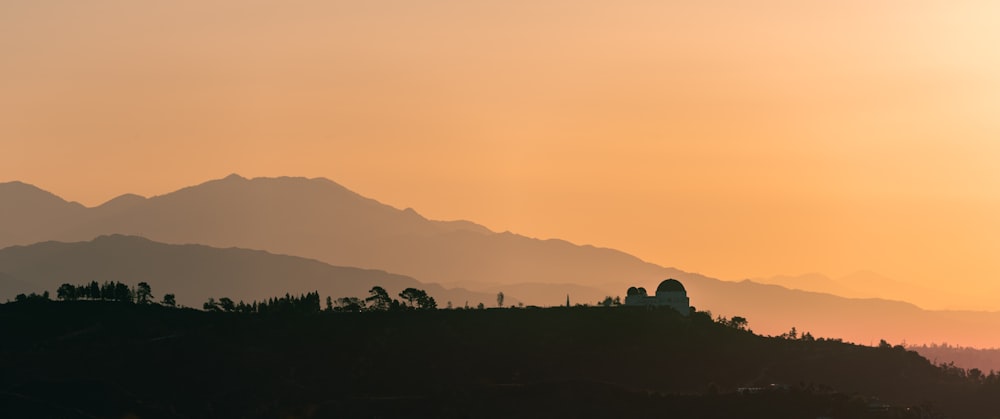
[
  {"x": 632, "y": 291},
  {"x": 670, "y": 285}
]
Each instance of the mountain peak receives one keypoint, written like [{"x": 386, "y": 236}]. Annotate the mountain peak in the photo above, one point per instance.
[
  {"x": 17, "y": 193},
  {"x": 124, "y": 201},
  {"x": 17, "y": 186},
  {"x": 234, "y": 176}
]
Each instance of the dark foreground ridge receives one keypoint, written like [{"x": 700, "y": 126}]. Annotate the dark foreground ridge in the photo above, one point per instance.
[{"x": 105, "y": 359}]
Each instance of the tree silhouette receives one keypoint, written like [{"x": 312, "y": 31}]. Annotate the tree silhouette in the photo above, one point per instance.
[
  {"x": 792, "y": 334},
  {"x": 738, "y": 322},
  {"x": 352, "y": 304},
  {"x": 411, "y": 295},
  {"x": 310, "y": 302},
  {"x": 32, "y": 297},
  {"x": 426, "y": 302},
  {"x": 143, "y": 293},
  {"x": 227, "y": 304},
  {"x": 500, "y": 299},
  {"x": 379, "y": 299},
  {"x": 108, "y": 291},
  {"x": 120, "y": 292},
  {"x": 168, "y": 300},
  {"x": 66, "y": 292},
  {"x": 210, "y": 305}
]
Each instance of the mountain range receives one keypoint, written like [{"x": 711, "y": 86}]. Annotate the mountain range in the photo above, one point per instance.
[
  {"x": 322, "y": 221},
  {"x": 319, "y": 219}
]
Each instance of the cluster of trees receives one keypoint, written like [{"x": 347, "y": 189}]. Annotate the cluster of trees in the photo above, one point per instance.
[
  {"x": 793, "y": 334},
  {"x": 304, "y": 304},
  {"x": 737, "y": 322},
  {"x": 608, "y": 301},
  {"x": 379, "y": 300},
  {"x": 111, "y": 291},
  {"x": 142, "y": 293},
  {"x": 32, "y": 297}
]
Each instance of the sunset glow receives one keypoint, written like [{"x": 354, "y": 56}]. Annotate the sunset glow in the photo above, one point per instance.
[{"x": 733, "y": 139}]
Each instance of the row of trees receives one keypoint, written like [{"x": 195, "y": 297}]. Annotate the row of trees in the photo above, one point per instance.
[
  {"x": 142, "y": 293},
  {"x": 305, "y": 304},
  {"x": 108, "y": 291},
  {"x": 379, "y": 300},
  {"x": 32, "y": 297}
]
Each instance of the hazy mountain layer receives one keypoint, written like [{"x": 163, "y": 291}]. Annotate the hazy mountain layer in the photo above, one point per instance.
[
  {"x": 319, "y": 219},
  {"x": 865, "y": 284},
  {"x": 195, "y": 272}
]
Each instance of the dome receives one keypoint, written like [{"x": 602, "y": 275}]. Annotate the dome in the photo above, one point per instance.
[
  {"x": 670, "y": 285},
  {"x": 632, "y": 291}
]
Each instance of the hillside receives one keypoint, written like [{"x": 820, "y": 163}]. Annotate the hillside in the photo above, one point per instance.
[
  {"x": 114, "y": 360},
  {"x": 195, "y": 272}
]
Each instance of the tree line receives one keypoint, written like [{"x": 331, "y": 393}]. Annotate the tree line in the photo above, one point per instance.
[
  {"x": 142, "y": 293},
  {"x": 304, "y": 304},
  {"x": 377, "y": 300}
]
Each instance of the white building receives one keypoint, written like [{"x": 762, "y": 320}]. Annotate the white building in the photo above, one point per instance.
[{"x": 670, "y": 293}]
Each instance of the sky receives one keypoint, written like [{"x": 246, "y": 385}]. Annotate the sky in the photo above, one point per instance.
[{"x": 735, "y": 139}]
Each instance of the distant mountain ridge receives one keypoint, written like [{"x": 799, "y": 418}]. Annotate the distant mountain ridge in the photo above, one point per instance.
[
  {"x": 321, "y": 220},
  {"x": 196, "y": 272},
  {"x": 866, "y": 284}
]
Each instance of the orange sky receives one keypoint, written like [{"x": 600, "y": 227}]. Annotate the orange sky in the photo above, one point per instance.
[{"x": 723, "y": 137}]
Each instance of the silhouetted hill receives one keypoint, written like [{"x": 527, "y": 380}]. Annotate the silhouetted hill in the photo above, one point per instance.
[
  {"x": 195, "y": 272},
  {"x": 74, "y": 359},
  {"x": 319, "y": 219}
]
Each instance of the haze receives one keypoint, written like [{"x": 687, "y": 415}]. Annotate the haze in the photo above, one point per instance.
[{"x": 732, "y": 139}]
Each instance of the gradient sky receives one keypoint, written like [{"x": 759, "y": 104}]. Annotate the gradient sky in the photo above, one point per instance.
[{"x": 736, "y": 139}]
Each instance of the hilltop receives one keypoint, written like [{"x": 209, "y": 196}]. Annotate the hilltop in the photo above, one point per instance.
[{"x": 82, "y": 358}]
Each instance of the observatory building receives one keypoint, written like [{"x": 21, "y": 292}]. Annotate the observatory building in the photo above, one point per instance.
[{"x": 670, "y": 293}]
